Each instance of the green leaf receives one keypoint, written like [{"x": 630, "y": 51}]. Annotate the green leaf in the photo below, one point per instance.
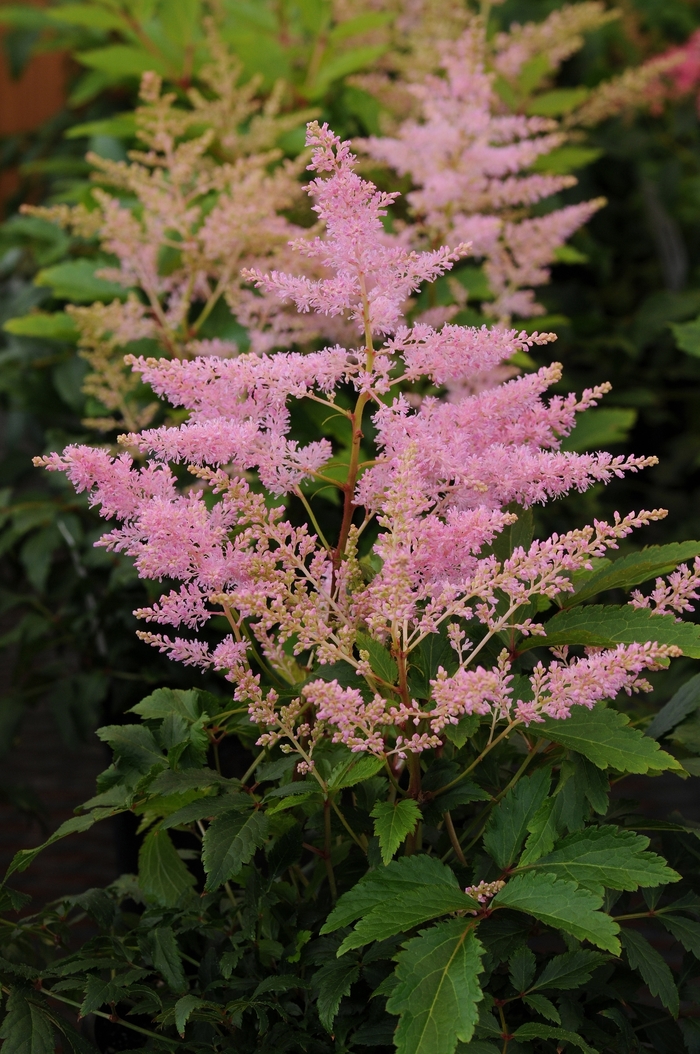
[
  {"x": 166, "y": 958},
  {"x": 76, "y": 280},
  {"x": 438, "y": 989},
  {"x": 333, "y": 981},
  {"x": 89, "y": 16},
  {"x": 687, "y": 336},
  {"x": 163, "y": 877},
  {"x": 604, "y": 737},
  {"x": 25, "y": 1028},
  {"x": 120, "y": 60},
  {"x": 389, "y": 883},
  {"x": 543, "y": 1006},
  {"x": 75, "y": 825},
  {"x": 392, "y": 822},
  {"x": 119, "y": 126},
  {"x": 229, "y": 843},
  {"x": 533, "y": 1030},
  {"x": 570, "y": 970},
  {"x": 359, "y": 24},
  {"x": 543, "y": 831},
  {"x": 597, "y": 429},
  {"x": 379, "y": 658},
  {"x": 341, "y": 65},
  {"x": 684, "y": 702},
  {"x": 415, "y": 907},
  {"x": 522, "y": 969},
  {"x": 606, "y": 625},
  {"x": 463, "y": 730},
  {"x": 206, "y": 807},
  {"x": 22, "y": 16},
  {"x": 359, "y": 768},
  {"x": 166, "y": 701},
  {"x": 57, "y": 326},
  {"x": 566, "y": 159},
  {"x": 561, "y": 904},
  {"x": 508, "y": 823},
  {"x": 183, "y": 1009},
  {"x": 609, "y": 857},
  {"x": 135, "y": 744},
  {"x": 557, "y": 102},
  {"x": 685, "y": 931},
  {"x": 634, "y": 569},
  {"x": 651, "y": 967},
  {"x": 99, "y": 993}
]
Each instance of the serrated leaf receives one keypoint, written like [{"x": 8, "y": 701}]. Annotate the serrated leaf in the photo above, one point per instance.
[
  {"x": 135, "y": 744},
  {"x": 25, "y": 1028},
  {"x": 651, "y": 967},
  {"x": 685, "y": 931},
  {"x": 544, "y": 1007},
  {"x": 543, "y": 833},
  {"x": 229, "y": 844},
  {"x": 99, "y": 993},
  {"x": 183, "y": 1009},
  {"x": 333, "y": 981},
  {"x": 166, "y": 957},
  {"x": 605, "y": 737},
  {"x": 393, "y": 821},
  {"x": 463, "y": 730},
  {"x": 606, "y": 625},
  {"x": 438, "y": 989},
  {"x": 508, "y": 823},
  {"x": 601, "y": 857},
  {"x": 570, "y": 970},
  {"x": 379, "y": 658},
  {"x": 634, "y": 569},
  {"x": 165, "y": 702},
  {"x": 359, "y": 768},
  {"x": 562, "y": 905},
  {"x": 521, "y": 968},
  {"x": 533, "y": 1030},
  {"x": 163, "y": 877},
  {"x": 206, "y": 807},
  {"x": 685, "y": 701},
  {"x": 398, "y": 915},
  {"x": 389, "y": 883},
  {"x": 75, "y": 825}
]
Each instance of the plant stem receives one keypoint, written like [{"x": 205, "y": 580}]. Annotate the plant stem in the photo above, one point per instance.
[
  {"x": 489, "y": 746},
  {"x": 115, "y": 1018},
  {"x": 348, "y": 828},
  {"x": 454, "y": 839},
  {"x": 327, "y": 848},
  {"x": 307, "y": 505}
]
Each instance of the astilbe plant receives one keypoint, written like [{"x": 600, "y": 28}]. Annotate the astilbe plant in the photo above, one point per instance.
[{"x": 404, "y": 690}]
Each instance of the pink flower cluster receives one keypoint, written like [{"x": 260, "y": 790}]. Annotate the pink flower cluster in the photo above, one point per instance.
[
  {"x": 434, "y": 488},
  {"x": 469, "y": 163}
]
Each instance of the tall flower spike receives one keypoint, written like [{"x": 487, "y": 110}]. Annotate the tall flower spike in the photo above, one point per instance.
[
  {"x": 372, "y": 275},
  {"x": 469, "y": 163}
]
